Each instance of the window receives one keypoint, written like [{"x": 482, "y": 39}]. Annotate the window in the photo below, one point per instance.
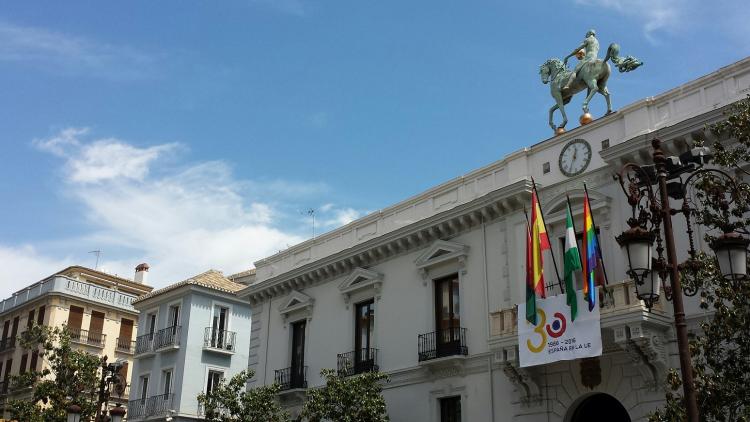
[
  {"x": 598, "y": 274},
  {"x": 447, "y": 315},
  {"x": 34, "y": 360},
  {"x": 126, "y": 334},
  {"x": 605, "y": 144},
  {"x": 214, "y": 378},
  {"x": 167, "y": 377},
  {"x": 297, "y": 375},
  {"x": 30, "y": 319},
  {"x": 14, "y": 331},
  {"x": 450, "y": 409},
  {"x": 6, "y": 327},
  {"x": 8, "y": 365},
  {"x": 95, "y": 328},
  {"x": 545, "y": 167},
  {"x": 40, "y": 316},
  {"x": 151, "y": 321},
  {"x": 364, "y": 331},
  {"x": 174, "y": 318},
  {"x": 24, "y": 359},
  {"x": 144, "y": 387},
  {"x": 219, "y": 326},
  {"x": 75, "y": 318}
]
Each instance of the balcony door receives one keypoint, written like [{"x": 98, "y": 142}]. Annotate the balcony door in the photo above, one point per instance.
[
  {"x": 364, "y": 336},
  {"x": 447, "y": 316},
  {"x": 219, "y": 327},
  {"x": 298, "y": 354}
]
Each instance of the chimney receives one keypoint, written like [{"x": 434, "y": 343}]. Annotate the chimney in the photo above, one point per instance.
[{"x": 141, "y": 273}]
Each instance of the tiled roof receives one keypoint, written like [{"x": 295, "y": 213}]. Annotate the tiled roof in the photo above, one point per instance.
[
  {"x": 245, "y": 273},
  {"x": 211, "y": 279}
]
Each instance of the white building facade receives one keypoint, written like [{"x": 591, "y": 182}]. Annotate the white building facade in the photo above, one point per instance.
[
  {"x": 193, "y": 334},
  {"x": 426, "y": 289}
]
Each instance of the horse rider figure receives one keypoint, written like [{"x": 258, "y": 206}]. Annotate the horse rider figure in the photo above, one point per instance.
[{"x": 590, "y": 46}]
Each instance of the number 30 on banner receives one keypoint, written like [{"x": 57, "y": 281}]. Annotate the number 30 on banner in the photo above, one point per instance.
[{"x": 543, "y": 329}]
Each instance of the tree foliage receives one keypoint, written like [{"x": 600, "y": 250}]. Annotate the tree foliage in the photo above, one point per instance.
[
  {"x": 231, "y": 401},
  {"x": 70, "y": 377},
  {"x": 347, "y": 399},
  {"x": 721, "y": 351}
]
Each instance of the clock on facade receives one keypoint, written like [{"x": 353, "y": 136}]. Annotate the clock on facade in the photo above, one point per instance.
[{"x": 575, "y": 157}]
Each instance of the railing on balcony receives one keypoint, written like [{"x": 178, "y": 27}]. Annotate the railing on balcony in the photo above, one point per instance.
[
  {"x": 357, "y": 362},
  {"x": 168, "y": 337},
  {"x": 219, "y": 339},
  {"x": 93, "y": 338},
  {"x": 7, "y": 344},
  {"x": 442, "y": 343},
  {"x": 144, "y": 343},
  {"x": 125, "y": 345},
  {"x": 291, "y": 378},
  {"x": 150, "y": 406}
]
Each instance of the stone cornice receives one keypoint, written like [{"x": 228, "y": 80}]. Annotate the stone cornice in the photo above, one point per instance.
[{"x": 444, "y": 225}]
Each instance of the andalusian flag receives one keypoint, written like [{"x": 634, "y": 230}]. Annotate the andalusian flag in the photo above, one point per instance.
[
  {"x": 591, "y": 253},
  {"x": 538, "y": 242},
  {"x": 572, "y": 264}
]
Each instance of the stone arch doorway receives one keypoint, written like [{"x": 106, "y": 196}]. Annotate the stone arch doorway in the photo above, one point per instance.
[{"x": 596, "y": 406}]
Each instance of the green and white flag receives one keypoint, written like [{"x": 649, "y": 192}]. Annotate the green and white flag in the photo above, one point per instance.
[{"x": 572, "y": 264}]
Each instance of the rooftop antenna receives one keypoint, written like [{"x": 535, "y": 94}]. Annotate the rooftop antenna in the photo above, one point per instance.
[
  {"x": 311, "y": 213},
  {"x": 97, "y": 253}
]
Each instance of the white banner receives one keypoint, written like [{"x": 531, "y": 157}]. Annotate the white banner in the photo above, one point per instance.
[{"x": 556, "y": 337}]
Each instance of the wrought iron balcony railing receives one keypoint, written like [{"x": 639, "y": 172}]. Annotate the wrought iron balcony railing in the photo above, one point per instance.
[
  {"x": 150, "y": 406},
  {"x": 442, "y": 343},
  {"x": 357, "y": 362},
  {"x": 291, "y": 378},
  {"x": 125, "y": 345},
  {"x": 144, "y": 343},
  {"x": 219, "y": 339},
  {"x": 93, "y": 338},
  {"x": 168, "y": 337}
]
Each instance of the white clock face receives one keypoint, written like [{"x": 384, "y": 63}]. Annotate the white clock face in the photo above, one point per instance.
[{"x": 575, "y": 157}]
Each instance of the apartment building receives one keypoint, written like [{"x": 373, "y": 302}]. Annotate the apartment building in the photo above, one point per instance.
[{"x": 94, "y": 305}]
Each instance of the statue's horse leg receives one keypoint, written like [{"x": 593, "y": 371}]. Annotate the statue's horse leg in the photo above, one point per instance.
[
  {"x": 551, "y": 112},
  {"x": 561, "y": 106},
  {"x": 604, "y": 91},
  {"x": 593, "y": 89}
]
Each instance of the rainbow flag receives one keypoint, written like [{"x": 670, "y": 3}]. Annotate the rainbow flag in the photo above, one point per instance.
[{"x": 591, "y": 253}]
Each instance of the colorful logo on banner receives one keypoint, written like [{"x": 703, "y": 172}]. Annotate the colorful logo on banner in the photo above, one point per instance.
[{"x": 555, "y": 337}]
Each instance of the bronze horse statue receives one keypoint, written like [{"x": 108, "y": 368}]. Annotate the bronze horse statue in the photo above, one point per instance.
[{"x": 592, "y": 76}]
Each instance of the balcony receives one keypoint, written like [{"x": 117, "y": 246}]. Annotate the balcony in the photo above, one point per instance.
[
  {"x": 447, "y": 342},
  {"x": 357, "y": 362},
  {"x": 7, "y": 344},
  {"x": 125, "y": 345},
  {"x": 91, "y": 338},
  {"x": 144, "y": 345},
  {"x": 168, "y": 338},
  {"x": 220, "y": 341},
  {"x": 149, "y": 407},
  {"x": 291, "y": 378}
]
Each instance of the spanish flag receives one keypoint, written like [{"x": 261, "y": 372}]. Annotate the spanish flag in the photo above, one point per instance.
[{"x": 537, "y": 241}]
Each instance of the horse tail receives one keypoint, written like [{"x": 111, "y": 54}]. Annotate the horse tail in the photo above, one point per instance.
[{"x": 613, "y": 52}]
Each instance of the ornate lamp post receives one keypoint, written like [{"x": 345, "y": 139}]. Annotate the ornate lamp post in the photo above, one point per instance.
[{"x": 652, "y": 215}]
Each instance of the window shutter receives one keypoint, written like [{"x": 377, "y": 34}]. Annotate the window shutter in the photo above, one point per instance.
[
  {"x": 97, "y": 322},
  {"x": 126, "y": 331},
  {"x": 40, "y": 316},
  {"x": 75, "y": 317}
]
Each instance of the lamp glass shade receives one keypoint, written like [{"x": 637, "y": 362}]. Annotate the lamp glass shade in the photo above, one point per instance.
[
  {"x": 639, "y": 253},
  {"x": 117, "y": 413},
  {"x": 74, "y": 416},
  {"x": 732, "y": 262}
]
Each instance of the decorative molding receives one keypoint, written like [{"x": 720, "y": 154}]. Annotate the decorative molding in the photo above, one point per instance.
[
  {"x": 439, "y": 252},
  {"x": 361, "y": 279},
  {"x": 646, "y": 349},
  {"x": 526, "y": 380},
  {"x": 296, "y": 301}
]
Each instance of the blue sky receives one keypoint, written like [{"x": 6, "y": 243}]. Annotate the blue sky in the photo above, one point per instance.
[{"x": 194, "y": 134}]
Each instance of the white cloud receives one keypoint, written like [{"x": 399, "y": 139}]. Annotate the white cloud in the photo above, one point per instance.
[
  {"x": 654, "y": 15},
  {"x": 179, "y": 221},
  {"x": 24, "y": 265},
  {"x": 62, "y": 52},
  {"x": 335, "y": 217}
]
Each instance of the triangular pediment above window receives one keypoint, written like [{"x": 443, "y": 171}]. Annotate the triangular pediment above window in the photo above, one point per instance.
[
  {"x": 441, "y": 251},
  {"x": 295, "y": 301},
  {"x": 361, "y": 278}
]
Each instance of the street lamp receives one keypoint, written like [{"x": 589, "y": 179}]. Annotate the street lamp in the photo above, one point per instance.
[
  {"x": 74, "y": 413},
  {"x": 117, "y": 413},
  {"x": 652, "y": 215}
]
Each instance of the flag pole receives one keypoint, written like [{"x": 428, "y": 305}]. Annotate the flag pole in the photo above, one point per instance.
[
  {"x": 598, "y": 243},
  {"x": 554, "y": 262}
]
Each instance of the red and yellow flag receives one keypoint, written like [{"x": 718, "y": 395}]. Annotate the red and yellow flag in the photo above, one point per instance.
[{"x": 539, "y": 243}]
